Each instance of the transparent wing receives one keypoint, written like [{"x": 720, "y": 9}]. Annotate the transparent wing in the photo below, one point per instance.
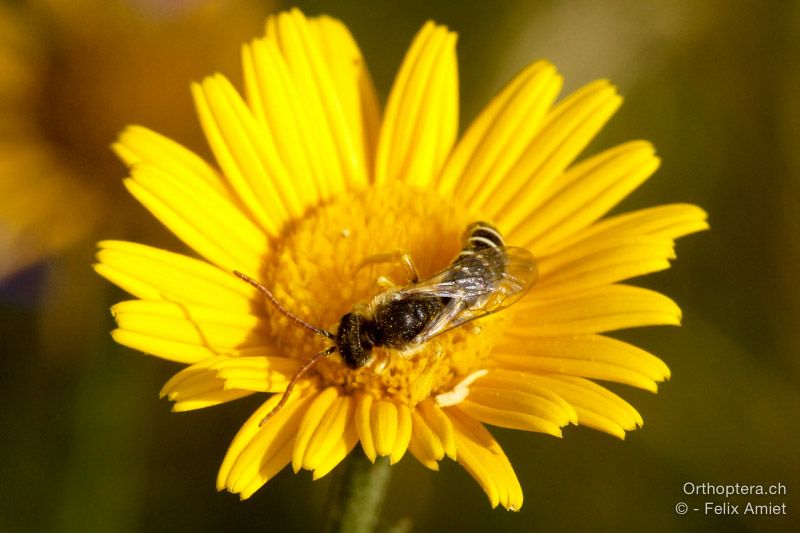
[{"x": 474, "y": 286}]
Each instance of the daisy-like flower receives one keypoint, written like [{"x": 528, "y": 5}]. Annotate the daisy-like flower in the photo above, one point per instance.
[{"x": 313, "y": 180}]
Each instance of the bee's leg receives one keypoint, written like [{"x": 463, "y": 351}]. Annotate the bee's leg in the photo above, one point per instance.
[
  {"x": 385, "y": 283},
  {"x": 398, "y": 256},
  {"x": 380, "y": 365},
  {"x": 408, "y": 263}
]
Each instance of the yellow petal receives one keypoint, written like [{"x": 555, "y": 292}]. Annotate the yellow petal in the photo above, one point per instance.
[
  {"x": 211, "y": 215},
  {"x": 566, "y": 131},
  {"x": 404, "y": 429},
  {"x": 198, "y": 386},
  {"x": 421, "y": 118},
  {"x": 509, "y": 415},
  {"x": 343, "y": 446},
  {"x": 597, "y": 407},
  {"x": 665, "y": 221},
  {"x": 329, "y": 432},
  {"x": 269, "y": 467},
  {"x": 364, "y": 424},
  {"x": 597, "y": 262},
  {"x": 155, "y": 274},
  {"x": 222, "y": 378},
  {"x": 258, "y": 452},
  {"x": 508, "y": 399},
  {"x": 254, "y": 152},
  {"x": 384, "y": 426},
  {"x": 166, "y": 349},
  {"x": 209, "y": 399},
  {"x": 473, "y": 461},
  {"x": 171, "y": 331},
  {"x": 191, "y": 323},
  {"x": 591, "y": 356},
  {"x": 422, "y": 454},
  {"x": 242, "y": 440},
  {"x": 234, "y": 136},
  {"x": 335, "y": 141},
  {"x": 186, "y": 379},
  {"x": 353, "y": 85},
  {"x": 257, "y": 373},
  {"x": 272, "y": 95},
  {"x": 596, "y": 310},
  {"x": 137, "y": 145},
  {"x": 425, "y": 445},
  {"x": 580, "y": 196},
  {"x": 440, "y": 424},
  {"x": 501, "y": 133},
  {"x": 311, "y": 420},
  {"x": 482, "y": 457}
]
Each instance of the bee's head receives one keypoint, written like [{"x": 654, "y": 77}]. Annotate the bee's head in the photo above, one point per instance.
[{"x": 352, "y": 341}]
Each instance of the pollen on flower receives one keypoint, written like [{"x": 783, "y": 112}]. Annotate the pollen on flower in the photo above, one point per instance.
[{"x": 316, "y": 273}]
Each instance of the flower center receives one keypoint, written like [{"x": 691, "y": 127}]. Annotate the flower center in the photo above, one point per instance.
[{"x": 319, "y": 276}]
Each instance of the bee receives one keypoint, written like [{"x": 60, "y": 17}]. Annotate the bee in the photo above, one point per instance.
[{"x": 485, "y": 277}]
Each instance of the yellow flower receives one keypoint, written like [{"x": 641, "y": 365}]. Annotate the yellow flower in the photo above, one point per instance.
[
  {"x": 61, "y": 64},
  {"x": 313, "y": 181}
]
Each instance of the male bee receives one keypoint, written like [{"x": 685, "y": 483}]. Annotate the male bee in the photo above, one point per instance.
[{"x": 485, "y": 277}]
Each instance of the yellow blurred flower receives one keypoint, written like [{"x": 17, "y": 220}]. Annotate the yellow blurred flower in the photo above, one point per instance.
[
  {"x": 313, "y": 181},
  {"x": 70, "y": 73}
]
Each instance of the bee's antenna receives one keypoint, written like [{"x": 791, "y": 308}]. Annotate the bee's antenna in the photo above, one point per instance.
[
  {"x": 283, "y": 310},
  {"x": 303, "y": 369}
]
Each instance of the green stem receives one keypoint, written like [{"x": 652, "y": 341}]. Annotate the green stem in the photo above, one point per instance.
[{"x": 356, "y": 495}]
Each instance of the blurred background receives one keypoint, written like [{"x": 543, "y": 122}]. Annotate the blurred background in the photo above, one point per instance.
[{"x": 87, "y": 445}]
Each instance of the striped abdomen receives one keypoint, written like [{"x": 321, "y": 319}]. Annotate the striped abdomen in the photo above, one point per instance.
[
  {"x": 479, "y": 236},
  {"x": 481, "y": 261}
]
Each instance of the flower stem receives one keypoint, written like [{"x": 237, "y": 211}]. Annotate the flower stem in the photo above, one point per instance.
[{"x": 356, "y": 495}]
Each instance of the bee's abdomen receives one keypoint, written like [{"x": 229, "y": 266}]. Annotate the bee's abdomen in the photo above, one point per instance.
[
  {"x": 481, "y": 260},
  {"x": 479, "y": 236}
]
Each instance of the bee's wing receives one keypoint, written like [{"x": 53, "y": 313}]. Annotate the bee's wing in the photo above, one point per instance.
[{"x": 477, "y": 285}]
